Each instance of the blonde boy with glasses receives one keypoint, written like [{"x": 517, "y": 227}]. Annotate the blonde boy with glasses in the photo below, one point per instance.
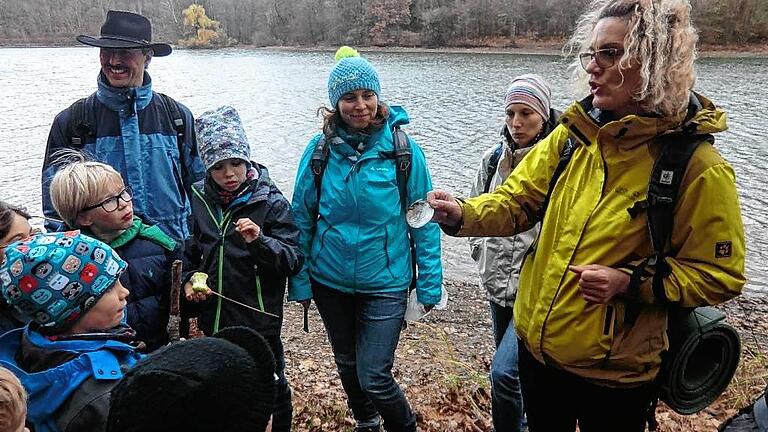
[{"x": 92, "y": 197}]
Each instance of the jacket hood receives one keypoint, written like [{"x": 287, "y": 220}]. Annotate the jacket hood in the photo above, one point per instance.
[
  {"x": 259, "y": 188},
  {"x": 263, "y": 185},
  {"x": 585, "y": 121},
  {"x": 76, "y": 359},
  {"x": 397, "y": 116}
]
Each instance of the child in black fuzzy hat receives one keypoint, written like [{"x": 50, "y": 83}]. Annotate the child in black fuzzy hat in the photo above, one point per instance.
[{"x": 224, "y": 383}]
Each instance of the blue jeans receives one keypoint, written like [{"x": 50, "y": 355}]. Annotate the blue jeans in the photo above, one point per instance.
[
  {"x": 506, "y": 397},
  {"x": 364, "y": 330}
]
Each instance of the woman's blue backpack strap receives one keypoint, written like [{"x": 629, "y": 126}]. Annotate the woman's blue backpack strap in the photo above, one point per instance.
[
  {"x": 318, "y": 162},
  {"x": 402, "y": 157},
  {"x": 493, "y": 166}
]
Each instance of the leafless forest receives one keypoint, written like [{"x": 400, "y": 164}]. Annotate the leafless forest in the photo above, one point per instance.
[{"x": 424, "y": 23}]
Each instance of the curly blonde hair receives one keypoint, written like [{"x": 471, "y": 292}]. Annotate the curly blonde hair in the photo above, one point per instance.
[{"x": 660, "y": 38}]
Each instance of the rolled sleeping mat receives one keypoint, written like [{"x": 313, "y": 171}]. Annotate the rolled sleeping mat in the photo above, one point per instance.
[{"x": 703, "y": 355}]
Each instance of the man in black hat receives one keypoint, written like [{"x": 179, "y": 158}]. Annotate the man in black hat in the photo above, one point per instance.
[{"x": 146, "y": 136}]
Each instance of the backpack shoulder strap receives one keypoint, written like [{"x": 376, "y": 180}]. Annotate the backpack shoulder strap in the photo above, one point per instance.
[
  {"x": 493, "y": 166},
  {"x": 565, "y": 157},
  {"x": 82, "y": 124},
  {"x": 318, "y": 162},
  {"x": 177, "y": 118},
  {"x": 403, "y": 156},
  {"x": 663, "y": 191},
  {"x": 402, "y": 164}
]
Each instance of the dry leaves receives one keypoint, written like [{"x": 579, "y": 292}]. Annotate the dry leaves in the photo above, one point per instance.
[{"x": 442, "y": 365}]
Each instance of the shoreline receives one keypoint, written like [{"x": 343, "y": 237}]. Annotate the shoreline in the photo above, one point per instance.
[{"x": 546, "y": 48}]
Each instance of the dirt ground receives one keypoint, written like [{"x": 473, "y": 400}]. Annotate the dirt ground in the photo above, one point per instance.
[{"x": 442, "y": 364}]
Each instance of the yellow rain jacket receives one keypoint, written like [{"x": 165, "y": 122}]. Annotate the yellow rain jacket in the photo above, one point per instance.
[{"x": 587, "y": 222}]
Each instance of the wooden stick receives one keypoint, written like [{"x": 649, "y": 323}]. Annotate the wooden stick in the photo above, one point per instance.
[
  {"x": 243, "y": 304},
  {"x": 174, "y": 318}
]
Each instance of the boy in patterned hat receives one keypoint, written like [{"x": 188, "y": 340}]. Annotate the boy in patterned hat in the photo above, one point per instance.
[
  {"x": 75, "y": 348},
  {"x": 244, "y": 239}
]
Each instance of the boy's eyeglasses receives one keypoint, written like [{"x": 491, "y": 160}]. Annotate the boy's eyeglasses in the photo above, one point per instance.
[
  {"x": 604, "y": 58},
  {"x": 112, "y": 203}
]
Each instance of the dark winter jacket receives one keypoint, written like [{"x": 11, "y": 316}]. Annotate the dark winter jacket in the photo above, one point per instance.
[
  {"x": 10, "y": 318},
  {"x": 68, "y": 381},
  {"x": 255, "y": 273},
  {"x": 133, "y": 132},
  {"x": 149, "y": 253}
]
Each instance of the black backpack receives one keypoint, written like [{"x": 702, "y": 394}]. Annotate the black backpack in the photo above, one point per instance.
[
  {"x": 401, "y": 154},
  {"x": 82, "y": 124}
]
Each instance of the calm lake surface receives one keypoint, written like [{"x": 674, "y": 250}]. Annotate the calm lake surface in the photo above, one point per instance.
[{"x": 454, "y": 101}]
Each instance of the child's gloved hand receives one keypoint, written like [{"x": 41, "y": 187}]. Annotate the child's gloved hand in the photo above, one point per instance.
[{"x": 248, "y": 229}]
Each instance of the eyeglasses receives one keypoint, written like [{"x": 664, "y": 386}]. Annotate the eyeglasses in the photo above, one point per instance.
[
  {"x": 112, "y": 203},
  {"x": 604, "y": 58}
]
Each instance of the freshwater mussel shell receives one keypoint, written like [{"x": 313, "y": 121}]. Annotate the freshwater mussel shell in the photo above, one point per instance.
[{"x": 419, "y": 214}]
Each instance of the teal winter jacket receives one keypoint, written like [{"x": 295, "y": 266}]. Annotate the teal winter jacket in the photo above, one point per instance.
[{"x": 359, "y": 243}]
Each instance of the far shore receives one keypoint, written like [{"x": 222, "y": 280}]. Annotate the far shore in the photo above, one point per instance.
[{"x": 549, "y": 48}]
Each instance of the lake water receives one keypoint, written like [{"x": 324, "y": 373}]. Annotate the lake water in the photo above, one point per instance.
[{"x": 454, "y": 101}]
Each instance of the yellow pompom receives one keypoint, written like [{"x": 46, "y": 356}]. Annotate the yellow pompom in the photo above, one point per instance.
[{"x": 345, "y": 52}]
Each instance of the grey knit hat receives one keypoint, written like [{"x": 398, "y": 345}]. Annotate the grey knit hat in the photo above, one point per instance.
[
  {"x": 531, "y": 90},
  {"x": 220, "y": 136}
]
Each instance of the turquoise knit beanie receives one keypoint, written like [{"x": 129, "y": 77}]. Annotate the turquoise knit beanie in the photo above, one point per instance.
[{"x": 351, "y": 72}]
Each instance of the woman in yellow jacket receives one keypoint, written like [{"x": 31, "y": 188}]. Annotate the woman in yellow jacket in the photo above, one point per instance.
[{"x": 581, "y": 359}]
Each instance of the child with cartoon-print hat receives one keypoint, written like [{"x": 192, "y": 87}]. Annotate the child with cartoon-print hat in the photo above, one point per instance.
[{"x": 76, "y": 346}]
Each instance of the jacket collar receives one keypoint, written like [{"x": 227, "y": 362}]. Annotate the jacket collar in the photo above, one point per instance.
[
  {"x": 125, "y": 101},
  {"x": 152, "y": 233},
  {"x": 258, "y": 190},
  {"x": 589, "y": 125},
  {"x": 378, "y": 141}
]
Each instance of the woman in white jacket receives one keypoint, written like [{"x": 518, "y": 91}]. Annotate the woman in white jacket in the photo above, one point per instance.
[{"x": 528, "y": 119}]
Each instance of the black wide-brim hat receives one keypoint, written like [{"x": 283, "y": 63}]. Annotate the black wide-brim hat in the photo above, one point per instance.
[{"x": 126, "y": 30}]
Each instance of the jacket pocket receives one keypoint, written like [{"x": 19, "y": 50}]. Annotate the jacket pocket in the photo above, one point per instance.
[
  {"x": 317, "y": 247},
  {"x": 177, "y": 176},
  {"x": 259, "y": 293},
  {"x": 638, "y": 347}
]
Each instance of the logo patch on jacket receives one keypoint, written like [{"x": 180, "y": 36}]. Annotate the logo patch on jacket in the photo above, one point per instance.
[{"x": 723, "y": 249}]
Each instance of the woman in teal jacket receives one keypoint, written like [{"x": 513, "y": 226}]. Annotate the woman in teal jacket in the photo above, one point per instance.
[{"x": 357, "y": 242}]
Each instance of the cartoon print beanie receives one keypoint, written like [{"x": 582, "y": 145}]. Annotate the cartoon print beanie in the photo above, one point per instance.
[
  {"x": 531, "y": 90},
  {"x": 222, "y": 383},
  {"x": 220, "y": 136},
  {"x": 55, "y": 278},
  {"x": 351, "y": 72}
]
